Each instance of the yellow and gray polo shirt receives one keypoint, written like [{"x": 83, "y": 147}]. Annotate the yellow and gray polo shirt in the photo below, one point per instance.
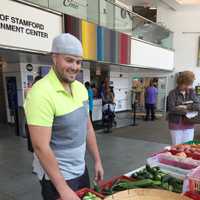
[{"x": 49, "y": 104}]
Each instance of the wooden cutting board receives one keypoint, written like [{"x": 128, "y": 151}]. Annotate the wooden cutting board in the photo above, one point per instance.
[{"x": 146, "y": 194}]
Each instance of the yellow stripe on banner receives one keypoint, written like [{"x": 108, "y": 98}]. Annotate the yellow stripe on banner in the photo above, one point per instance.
[{"x": 89, "y": 40}]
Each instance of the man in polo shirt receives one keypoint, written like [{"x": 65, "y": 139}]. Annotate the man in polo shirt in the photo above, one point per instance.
[{"x": 60, "y": 128}]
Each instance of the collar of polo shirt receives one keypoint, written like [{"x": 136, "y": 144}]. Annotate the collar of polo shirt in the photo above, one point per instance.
[{"x": 56, "y": 82}]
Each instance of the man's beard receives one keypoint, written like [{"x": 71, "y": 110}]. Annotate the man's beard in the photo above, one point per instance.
[
  {"x": 63, "y": 78},
  {"x": 66, "y": 80}
]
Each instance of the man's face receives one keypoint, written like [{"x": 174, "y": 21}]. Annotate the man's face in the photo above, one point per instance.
[{"x": 66, "y": 67}]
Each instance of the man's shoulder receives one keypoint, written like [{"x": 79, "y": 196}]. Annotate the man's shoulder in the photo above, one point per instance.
[
  {"x": 79, "y": 85},
  {"x": 81, "y": 90},
  {"x": 41, "y": 87}
]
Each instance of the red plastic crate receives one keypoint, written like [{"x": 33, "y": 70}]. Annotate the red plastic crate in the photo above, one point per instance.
[
  {"x": 193, "y": 195},
  {"x": 194, "y": 180},
  {"x": 109, "y": 183},
  {"x": 178, "y": 164},
  {"x": 83, "y": 191}
]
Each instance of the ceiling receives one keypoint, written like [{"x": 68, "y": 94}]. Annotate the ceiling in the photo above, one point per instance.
[
  {"x": 11, "y": 56},
  {"x": 175, "y": 4},
  {"x": 137, "y": 2}
]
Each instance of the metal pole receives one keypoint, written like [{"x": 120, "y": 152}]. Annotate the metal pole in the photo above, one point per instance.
[{"x": 134, "y": 113}]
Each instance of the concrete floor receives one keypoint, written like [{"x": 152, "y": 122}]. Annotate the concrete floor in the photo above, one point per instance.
[
  {"x": 119, "y": 155},
  {"x": 152, "y": 131}
]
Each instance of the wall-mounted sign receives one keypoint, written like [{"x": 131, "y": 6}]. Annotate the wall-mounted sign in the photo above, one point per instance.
[
  {"x": 29, "y": 67},
  {"x": 77, "y": 8},
  {"x": 71, "y": 3},
  {"x": 26, "y": 27},
  {"x": 125, "y": 13},
  {"x": 23, "y": 26}
]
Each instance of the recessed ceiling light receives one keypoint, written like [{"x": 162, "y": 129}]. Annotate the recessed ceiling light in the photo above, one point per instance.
[
  {"x": 152, "y": 8},
  {"x": 188, "y": 2}
]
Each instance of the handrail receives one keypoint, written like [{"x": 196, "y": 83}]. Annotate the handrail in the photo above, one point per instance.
[{"x": 137, "y": 15}]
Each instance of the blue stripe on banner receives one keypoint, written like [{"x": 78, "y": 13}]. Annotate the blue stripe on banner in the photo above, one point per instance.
[
  {"x": 100, "y": 43},
  {"x": 113, "y": 46},
  {"x": 107, "y": 48}
]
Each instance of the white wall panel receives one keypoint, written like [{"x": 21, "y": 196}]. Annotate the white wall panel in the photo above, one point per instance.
[{"x": 149, "y": 56}]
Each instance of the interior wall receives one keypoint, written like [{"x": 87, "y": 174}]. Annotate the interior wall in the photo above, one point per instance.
[
  {"x": 121, "y": 83},
  {"x": 185, "y": 25},
  {"x": 121, "y": 86}
]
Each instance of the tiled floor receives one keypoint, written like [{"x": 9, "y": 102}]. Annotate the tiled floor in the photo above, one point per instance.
[{"x": 119, "y": 156}]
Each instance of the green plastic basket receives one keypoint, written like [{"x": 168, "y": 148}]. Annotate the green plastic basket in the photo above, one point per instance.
[{"x": 193, "y": 142}]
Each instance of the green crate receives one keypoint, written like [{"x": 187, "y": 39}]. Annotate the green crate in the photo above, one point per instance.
[{"x": 193, "y": 142}]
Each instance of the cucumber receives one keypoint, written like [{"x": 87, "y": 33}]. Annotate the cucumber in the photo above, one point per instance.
[{"x": 96, "y": 187}]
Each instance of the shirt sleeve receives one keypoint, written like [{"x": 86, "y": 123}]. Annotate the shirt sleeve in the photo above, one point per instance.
[
  {"x": 196, "y": 102},
  {"x": 39, "y": 109},
  {"x": 171, "y": 103}
]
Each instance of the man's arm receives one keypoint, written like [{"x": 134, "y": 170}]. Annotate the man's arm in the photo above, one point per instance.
[
  {"x": 94, "y": 151},
  {"x": 40, "y": 137}
]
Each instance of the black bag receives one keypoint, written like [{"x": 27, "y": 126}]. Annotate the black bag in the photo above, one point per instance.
[{"x": 29, "y": 143}]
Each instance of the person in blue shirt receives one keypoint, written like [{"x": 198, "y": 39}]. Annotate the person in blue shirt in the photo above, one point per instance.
[
  {"x": 151, "y": 94},
  {"x": 91, "y": 98}
]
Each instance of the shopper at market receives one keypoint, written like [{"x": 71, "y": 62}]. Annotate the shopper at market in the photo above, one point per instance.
[
  {"x": 37, "y": 78},
  {"x": 151, "y": 94},
  {"x": 60, "y": 129},
  {"x": 180, "y": 129},
  {"x": 102, "y": 88},
  {"x": 95, "y": 90},
  {"x": 91, "y": 98},
  {"x": 108, "y": 96}
]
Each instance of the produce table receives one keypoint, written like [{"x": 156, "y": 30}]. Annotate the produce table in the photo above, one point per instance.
[{"x": 170, "y": 172}]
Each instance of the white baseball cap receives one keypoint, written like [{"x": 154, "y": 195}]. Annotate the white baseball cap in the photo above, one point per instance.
[{"x": 66, "y": 43}]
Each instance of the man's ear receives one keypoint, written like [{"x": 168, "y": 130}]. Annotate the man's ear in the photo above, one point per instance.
[{"x": 53, "y": 56}]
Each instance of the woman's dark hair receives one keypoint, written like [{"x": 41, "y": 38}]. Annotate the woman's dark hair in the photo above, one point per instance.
[
  {"x": 37, "y": 78},
  {"x": 87, "y": 84},
  {"x": 93, "y": 85}
]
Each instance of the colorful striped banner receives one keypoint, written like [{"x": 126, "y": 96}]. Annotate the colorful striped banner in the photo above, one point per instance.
[
  {"x": 89, "y": 40},
  {"x": 99, "y": 43},
  {"x": 73, "y": 25},
  {"x": 124, "y": 49}
]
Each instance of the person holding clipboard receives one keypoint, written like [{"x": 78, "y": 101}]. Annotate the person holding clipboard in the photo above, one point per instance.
[{"x": 181, "y": 101}]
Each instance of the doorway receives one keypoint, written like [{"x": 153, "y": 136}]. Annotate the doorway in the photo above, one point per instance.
[
  {"x": 2, "y": 97},
  {"x": 140, "y": 85}
]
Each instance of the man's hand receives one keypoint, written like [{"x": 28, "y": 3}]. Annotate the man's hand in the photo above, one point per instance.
[
  {"x": 99, "y": 172},
  {"x": 69, "y": 195}
]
